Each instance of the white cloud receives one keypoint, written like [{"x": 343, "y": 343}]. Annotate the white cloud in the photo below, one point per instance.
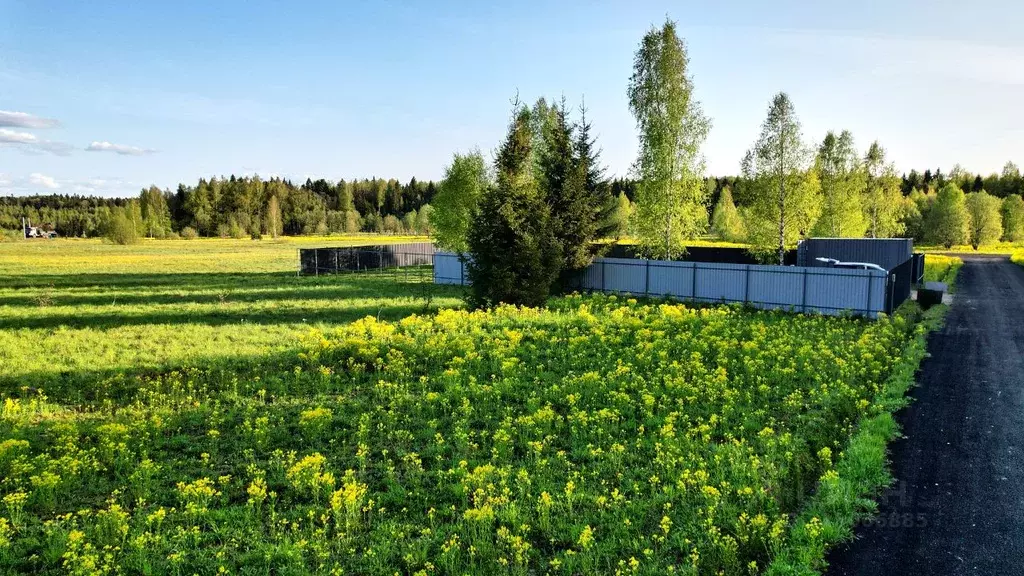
[
  {"x": 37, "y": 183},
  {"x": 25, "y": 120},
  {"x": 118, "y": 149},
  {"x": 43, "y": 181},
  {"x": 30, "y": 143},
  {"x": 12, "y": 137}
]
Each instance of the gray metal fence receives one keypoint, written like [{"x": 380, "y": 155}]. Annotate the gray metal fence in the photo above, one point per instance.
[{"x": 797, "y": 288}]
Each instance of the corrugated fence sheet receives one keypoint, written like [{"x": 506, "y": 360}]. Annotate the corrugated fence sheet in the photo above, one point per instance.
[
  {"x": 885, "y": 252},
  {"x": 449, "y": 269},
  {"x": 797, "y": 288}
]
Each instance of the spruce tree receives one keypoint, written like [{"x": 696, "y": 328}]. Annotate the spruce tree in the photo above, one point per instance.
[
  {"x": 514, "y": 256},
  {"x": 600, "y": 201}
]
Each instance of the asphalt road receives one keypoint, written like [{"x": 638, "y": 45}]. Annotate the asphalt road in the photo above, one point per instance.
[{"x": 957, "y": 506}]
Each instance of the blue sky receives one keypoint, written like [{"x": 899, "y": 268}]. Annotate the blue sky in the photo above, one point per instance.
[{"x": 163, "y": 92}]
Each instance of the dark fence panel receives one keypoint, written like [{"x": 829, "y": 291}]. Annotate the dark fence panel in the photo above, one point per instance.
[
  {"x": 885, "y": 252},
  {"x": 901, "y": 278},
  {"x": 917, "y": 274},
  {"x": 316, "y": 261}
]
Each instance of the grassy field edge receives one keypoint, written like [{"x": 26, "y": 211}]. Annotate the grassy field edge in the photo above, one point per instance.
[{"x": 844, "y": 494}]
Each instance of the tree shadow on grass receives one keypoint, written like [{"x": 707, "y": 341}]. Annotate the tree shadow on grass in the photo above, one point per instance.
[
  {"x": 119, "y": 386},
  {"x": 205, "y": 281},
  {"x": 295, "y": 299},
  {"x": 310, "y": 314}
]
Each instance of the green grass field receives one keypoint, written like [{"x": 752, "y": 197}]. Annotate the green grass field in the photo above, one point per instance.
[
  {"x": 70, "y": 309},
  {"x": 194, "y": 407}
]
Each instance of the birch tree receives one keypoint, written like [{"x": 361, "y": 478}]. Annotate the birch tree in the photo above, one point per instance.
[
  {"x": 949, "y": 223},
  {"x": 671, "y": 198},
  {"x": 1013, "y": 218},
  {"x": 883, "y": 200},
  {"x": 986, "y": 220},
  {"x": 455, "y": 205},
  {"x": 784, "y": 194},
  {"x": 842, "y": 184}
]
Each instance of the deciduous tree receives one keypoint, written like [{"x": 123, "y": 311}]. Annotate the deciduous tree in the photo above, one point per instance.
[
  {"x": 726, "y": 222},
  {"x": 948, "y": 220},
  {"x": 783, "y": 196},
  {"x": 986, "y": 220},
  {"x": 842, "y": 184},
  {"x": 1013, "y": 218},
  {"x": 455, "y": 205},
  {"x": 273, "y": 217},
  {"x": 671, "y": 201},
  {"x": 883, "y": 199},
  {"x": 617, "y": 222}
]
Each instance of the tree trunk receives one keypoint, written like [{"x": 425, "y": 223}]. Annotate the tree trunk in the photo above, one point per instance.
[{"x": 782, "y": 200}]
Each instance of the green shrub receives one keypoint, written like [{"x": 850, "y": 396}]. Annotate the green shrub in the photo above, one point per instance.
[{"x": 121, "y": 230}]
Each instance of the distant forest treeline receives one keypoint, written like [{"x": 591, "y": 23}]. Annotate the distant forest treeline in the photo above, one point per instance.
[
  {"x": 248, "y": 206},
  {"x": 237, "y": 207}
]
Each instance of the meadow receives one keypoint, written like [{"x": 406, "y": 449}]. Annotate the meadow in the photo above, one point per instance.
[
  {"x": 939, "y": 268},
  {"x": 205, "y": 411},
  {"x": 72, "y": 309}
]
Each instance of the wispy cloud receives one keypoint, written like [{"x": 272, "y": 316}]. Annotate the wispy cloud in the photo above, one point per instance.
[
  {"x": 43, "y": 181},
  {"x": 12, "y": 137},
  {"x": 28, "y": 142},
  {"x": 25, "y": 120},
  {"x": 38, "y": 183},
  {"x": 118, "y": 149},
  {"x": 936, "y": 59}
]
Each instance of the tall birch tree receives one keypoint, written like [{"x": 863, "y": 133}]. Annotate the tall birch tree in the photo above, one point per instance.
[
  {"x": 842, "y": 184},
  {"x": 784, "y": 194},
  {"x": 883, "y": 200},
  {"x": 671, "y": 198}
]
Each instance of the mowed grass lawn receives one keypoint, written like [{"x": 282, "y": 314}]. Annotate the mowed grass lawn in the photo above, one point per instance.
[{"x": 70, "y": 309}]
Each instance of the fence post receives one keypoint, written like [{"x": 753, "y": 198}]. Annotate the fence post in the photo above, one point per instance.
[
  {"x": 316, "y": 261},
  {"x": 602, "y": 274},
  {"x": 803, "y": 297},
  {"x": 693, "y": 287},
  {"x": 647, "y": 277},
  {"x": 746, "y": 286},
  {"x": 871, "y": 282}
]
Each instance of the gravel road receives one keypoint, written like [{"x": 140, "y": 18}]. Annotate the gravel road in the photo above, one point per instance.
[{"x": 957, "y": 506}]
